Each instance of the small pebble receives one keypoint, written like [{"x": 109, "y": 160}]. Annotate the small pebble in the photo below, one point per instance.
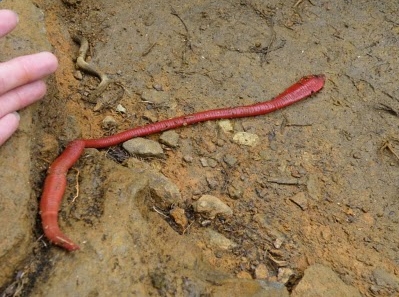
[
  {"x": 284, "y": 274},
  {"x": 78, "y": 75},
  {"x": 157, "y": 87},
  {"x": 230, "y": 160},
  {"x": 300, "y": 200},
  {"x": 143, "y": 147},
  {"x": 156, "y": 97},
  {"x": 188, "y": 158},
  {"x": 245, "y": 138},
  {"x": 179, "y": 216},
  {"x": 226, "y": 126},
  {"x": 109, "y": 122},
  {"x": 169, "y": 138},
  {"x": 235, "y": 192},
  {"x": 120, "y": 108},
  {"x": 261, "y": 271},
  {"x": 219, "y": 241},
  {"x": 210, "y": 206}
]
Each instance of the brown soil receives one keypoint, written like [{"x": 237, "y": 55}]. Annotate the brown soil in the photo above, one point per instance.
[{"x": 338, "y": 150}]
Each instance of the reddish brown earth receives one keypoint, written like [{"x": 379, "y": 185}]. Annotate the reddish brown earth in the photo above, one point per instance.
[{"x": 319, "y": 187}]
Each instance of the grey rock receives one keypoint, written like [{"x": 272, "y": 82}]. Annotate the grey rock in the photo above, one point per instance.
[
  {"x": 235, "y": 191},
  {"x": 109, "y": 122},
  {"x": 230, "y": 160},
  {"x": 385, "y": 279},
  {"x": 169, "y": 138},
  {"x": 219, "y": 241},
  {"x": 155, "y": 97},
  {"x": 163, "y": 190},
  {"x": 211, "y": 206},
  {"x": 143, "y": 147}
]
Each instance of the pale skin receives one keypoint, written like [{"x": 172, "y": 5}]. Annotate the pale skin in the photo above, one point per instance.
[{"x": 21, "y": 79}]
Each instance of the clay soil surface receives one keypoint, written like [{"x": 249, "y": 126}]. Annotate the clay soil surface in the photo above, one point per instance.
[{"x": 318, "y": 187}]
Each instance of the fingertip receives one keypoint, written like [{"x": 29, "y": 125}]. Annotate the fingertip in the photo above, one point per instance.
[
  {"x": 51, "y": 60},
  {"x": 8, "y": 13},
  {"x": 8, "y": 21},
  {"x": 8, "y": 125},
  {"x": 16, "y": 115}
]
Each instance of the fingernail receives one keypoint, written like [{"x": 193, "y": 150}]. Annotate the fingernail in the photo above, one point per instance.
[
  {"x": 17, "y": 115},
  {"x": 16, "y": 15}
]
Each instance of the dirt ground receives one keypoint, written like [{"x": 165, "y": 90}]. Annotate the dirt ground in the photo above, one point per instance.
[{"x": 317, "y": 188}]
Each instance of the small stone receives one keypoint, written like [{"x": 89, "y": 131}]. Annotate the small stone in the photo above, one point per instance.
[
  {"x": 278, "y": 242},
  {"x": 385, "y": 279},
  {"x": 143, "y": 147},
  {"x": 284, "y": 274},
  {"x": 300, "y": 200},
  {"x": 226, "y": 126},
  {"x": 109, "y": 122},
  {"x": 219, "y": 241},
  {"x": 204, "y": 162},
  {"x": 230, "y": 160},
  {"x": 210, "y": 206},
  {"x": 212, "y": 182},
  {"x": 235, "y": 192},
  {"x": 120, "y": 108},
  {"x": 155, "y": 97},
  {"x": 188, "y": 158},
  {"x": 169, "y": 138},
  {"x": 208, "y": 162},
  {"x": 164, "y": 191},
  {"x": 157, "y": 87},
  {"x": 245, "y": 138},
  {"x": 261, "y": 271},
  {"x": 179, "y": 216},
  {"x": 212, "y": 162},
  {"x": 78, "y": 75}
]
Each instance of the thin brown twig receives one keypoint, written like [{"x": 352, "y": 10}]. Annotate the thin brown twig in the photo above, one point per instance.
[{"x": 388, "y": 146}]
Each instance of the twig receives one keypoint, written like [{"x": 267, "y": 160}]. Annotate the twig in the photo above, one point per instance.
[{"x": 77, "y": 186}]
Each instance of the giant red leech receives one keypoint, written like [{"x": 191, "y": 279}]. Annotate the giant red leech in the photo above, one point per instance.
[{"x": 55, "y": 183}]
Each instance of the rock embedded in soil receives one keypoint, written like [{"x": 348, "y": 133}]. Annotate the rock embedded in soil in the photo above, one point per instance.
[
  {"x": 235, "y": 192},
  {"x": 386, "y": 282},
  {"x": 165, "y": 192},
  {"x": 120, "y": 108},
  {"x": 210, "y": 206},
  {"x": 261, "y": 272},
  {"x": 245, "y": 138},
  {"x": 143, "y": 147},
  {"x": 155, "y": 97},
  {"x": 225, "y": 126},
  {"x": 179, "y": 216},
  {"x": 219, "y": 241},
  {"x": 109, "y": 122},
  {"x": 169, "y": 138},
  {"x": 300, "y": 200},
  {"x": 230, "y": 160},
  {"x": 320, "y": 280}
]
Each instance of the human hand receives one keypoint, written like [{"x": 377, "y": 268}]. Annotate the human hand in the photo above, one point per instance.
[{"x": 20, "y": 79}]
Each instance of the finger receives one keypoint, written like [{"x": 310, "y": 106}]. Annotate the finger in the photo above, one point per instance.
[
  {"x": 8, "y": 125},
  {"x": 26, "y": 69},
  {"x": 20, "y": 97},
  {"x": 8, "y": 21}
]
